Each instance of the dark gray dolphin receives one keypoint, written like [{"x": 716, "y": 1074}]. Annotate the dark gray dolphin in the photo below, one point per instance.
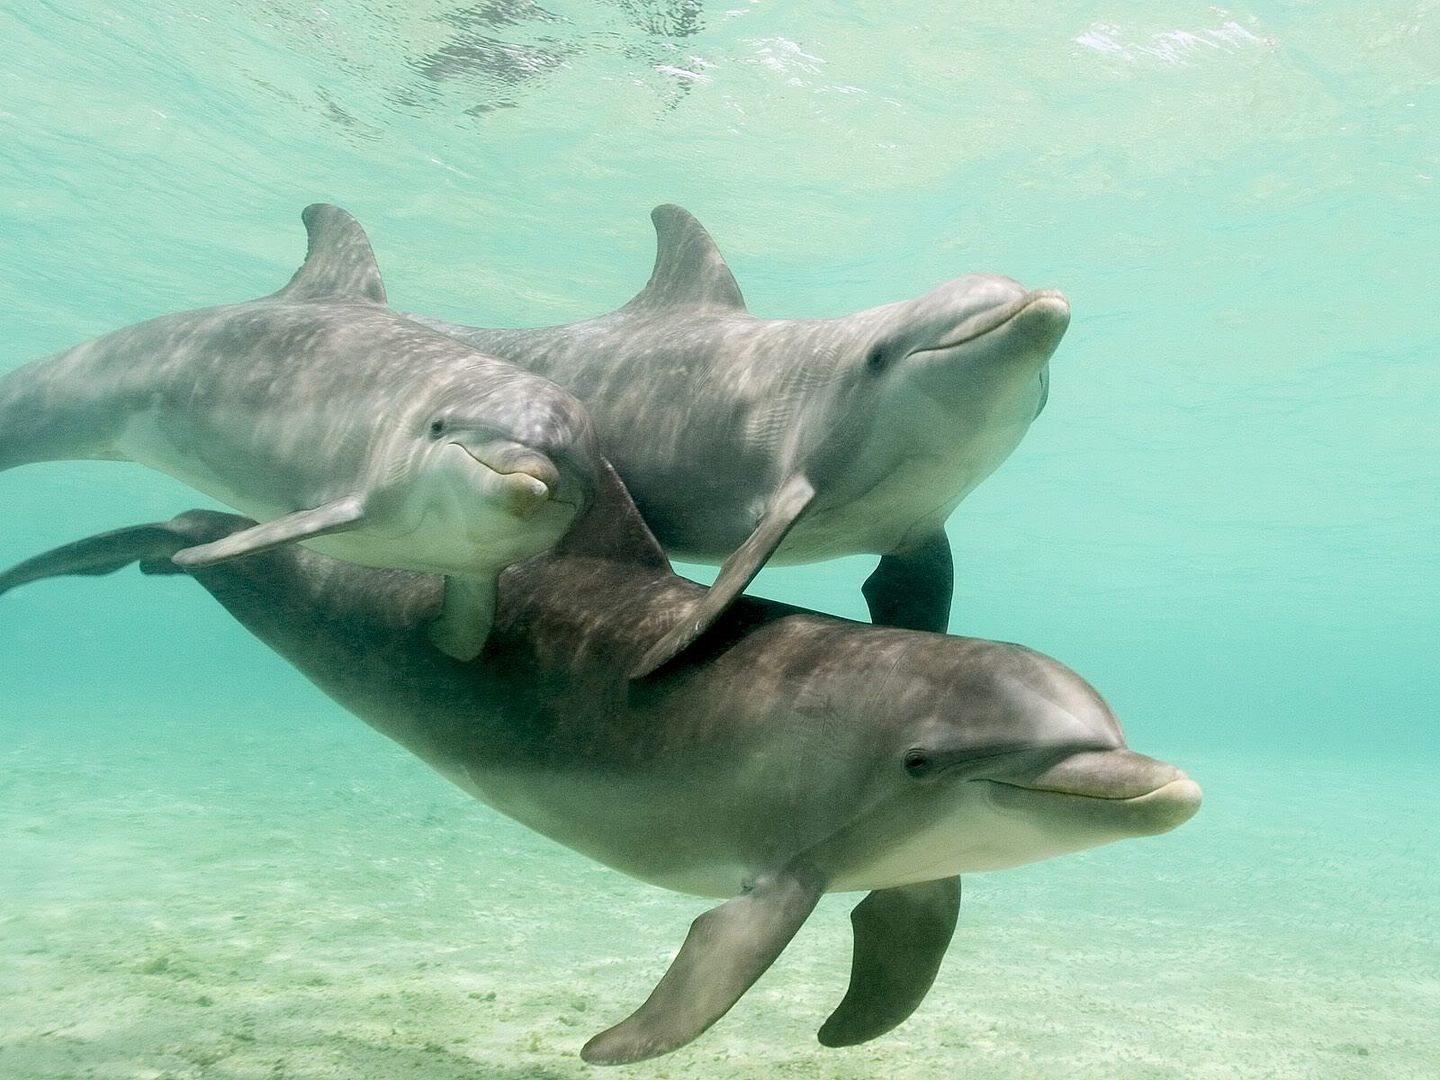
[
  {"x": 750, "y": 440},
  {"x": 335, "y": 421},
  {"x": 786, "y": 755}
]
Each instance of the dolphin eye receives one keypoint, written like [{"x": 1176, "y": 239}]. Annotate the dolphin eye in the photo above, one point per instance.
[
  {"x": 437, "y": 428},
  {"x": 878, "y": 360},
  {"x": 917, "y": 763}
]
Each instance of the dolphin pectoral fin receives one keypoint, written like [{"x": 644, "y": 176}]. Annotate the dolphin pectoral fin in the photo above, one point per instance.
[
  {"x": 332, "y": 517},
  {"x": 913, "y": 589},
  {"x": 466, "y": 616},
  {"x": 737, "y": 572},
  {"x": 901, "y": 935},
  {"x": 727, "y": 949},
  {"x": 150, "y": 545}
]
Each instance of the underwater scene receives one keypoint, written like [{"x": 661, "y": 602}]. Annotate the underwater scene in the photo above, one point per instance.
[{"x": 365, "y": 362}]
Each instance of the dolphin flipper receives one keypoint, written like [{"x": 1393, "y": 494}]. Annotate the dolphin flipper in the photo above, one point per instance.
[
  {"x": 901, "y": 935},
  {"x": 332, "y": 517},
  {"x": 913, "y": 589},
  {"x": 727, "y": 949},
  {"x": 466, "y": 616},
  {"x": 737, "y": 572}
]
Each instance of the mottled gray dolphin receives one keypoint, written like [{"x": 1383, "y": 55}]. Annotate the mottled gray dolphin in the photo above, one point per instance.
[
  {"x": 337, "y": 422},
  {"x": 745, "y": 439},
  {"x": 786, "y": 755}
]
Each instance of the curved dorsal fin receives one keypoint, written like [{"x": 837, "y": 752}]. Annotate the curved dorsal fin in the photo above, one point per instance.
[
  {"x": 339, "y": 265},
  {"x": 689, "y": 269}
]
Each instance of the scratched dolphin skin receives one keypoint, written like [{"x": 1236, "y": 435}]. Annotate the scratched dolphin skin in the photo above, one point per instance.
[
  {"x": 336, "y": 422},
  {"x": 744, "y": 439},
  {"x": 786, "y": 755}
]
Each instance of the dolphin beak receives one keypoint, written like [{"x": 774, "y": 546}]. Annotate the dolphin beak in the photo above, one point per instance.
[
  {"x": 521, "y": 480},
  {"x": 1102, "y": 774},
  {"x": 1042, "y": 321},
  {"x": 1146, "y": 795},
  {"x": 1036, "y": 322},
  {"x": 522, "y": 494}
]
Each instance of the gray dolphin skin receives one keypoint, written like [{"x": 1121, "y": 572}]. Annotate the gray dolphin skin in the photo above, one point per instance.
[
  {"x": 786, "y": 755},
  {"x": 746, "y": 440},
  {"x": 336, "y": 422}
]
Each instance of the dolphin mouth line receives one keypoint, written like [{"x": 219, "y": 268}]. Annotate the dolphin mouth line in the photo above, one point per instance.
[
  {"x": 521, "y": 491},
  {"x": 500, "y": 472},
  {"x": 1086, "y": 794},
  {"x": 977, "y": 326}
]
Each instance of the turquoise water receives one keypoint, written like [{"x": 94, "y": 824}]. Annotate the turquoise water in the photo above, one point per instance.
[{"x": 1226, "y": 517}]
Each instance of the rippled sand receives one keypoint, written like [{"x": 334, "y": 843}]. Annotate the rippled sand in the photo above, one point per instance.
[{"x": 195, "y": 899}]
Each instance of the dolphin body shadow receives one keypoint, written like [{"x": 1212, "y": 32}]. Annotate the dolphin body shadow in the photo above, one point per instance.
[
  {"x": 747, "y": 440},
  {"x": 785, "y": 755}
]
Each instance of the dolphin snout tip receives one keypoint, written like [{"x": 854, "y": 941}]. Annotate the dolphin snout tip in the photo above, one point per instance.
[
  {"x": 523, "y": 493},
  {"x": 519, "y": 479},
  {"x": 1049, "y": 306},
  {"x": 1053, "y": 300},
  {"x": 1040, "y": 321},
  {"x": 1173, "y": 803}
]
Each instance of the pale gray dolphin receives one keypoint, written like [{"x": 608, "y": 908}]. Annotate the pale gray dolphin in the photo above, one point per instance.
[
  {"x": 750, "y": 440},
  {"x": 338, "y": 423},
  {"x": 786, "y": 755}
]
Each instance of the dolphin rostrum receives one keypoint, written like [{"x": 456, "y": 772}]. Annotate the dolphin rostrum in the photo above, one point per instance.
[
  {"x": 336, "y": 422},
  {"x": 746, "y": 440},
  {"x": 787, "y": 755}
]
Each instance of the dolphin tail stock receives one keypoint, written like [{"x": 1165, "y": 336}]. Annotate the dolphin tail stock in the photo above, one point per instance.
[
  {"x": 43, "y": 418},
  {"x": 152, "y": 546}
]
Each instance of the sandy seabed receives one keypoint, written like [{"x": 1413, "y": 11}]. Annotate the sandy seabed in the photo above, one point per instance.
[{"x": 208, "y": 898}]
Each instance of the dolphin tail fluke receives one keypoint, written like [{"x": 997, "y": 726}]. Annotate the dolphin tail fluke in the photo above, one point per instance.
[
  {"x": 901, "y": 935},
  {"x": 727, "y": 949},
  {"x": 736, "y": 573},
  {"x": 152, "y": 546},
  {"x": 93, "y": 556}
]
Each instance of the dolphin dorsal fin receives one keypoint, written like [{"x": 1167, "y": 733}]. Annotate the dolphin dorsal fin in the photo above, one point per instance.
[
  {"x": 611, "y": 527},
  {"x": 689, "y": 269},
  {"x": 339, "y": 265}
]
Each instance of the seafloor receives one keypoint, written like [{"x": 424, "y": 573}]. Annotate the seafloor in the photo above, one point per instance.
[{"x": 225, "y": 897}]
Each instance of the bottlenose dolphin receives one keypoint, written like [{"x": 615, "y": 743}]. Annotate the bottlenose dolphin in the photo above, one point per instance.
[
  {"x": 335, "y": 421},
  {"x": 750, "y": 440},
  {"x": 786, "y": 755}
]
